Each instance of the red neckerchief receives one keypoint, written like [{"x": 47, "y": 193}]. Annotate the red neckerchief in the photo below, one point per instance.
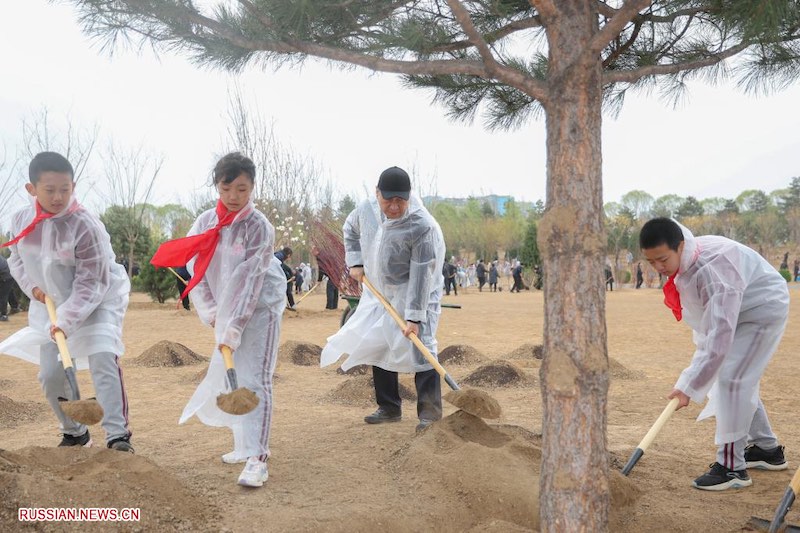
[
  {"x": 178, "y": 252},
  {"x": 40, "y": 215},
  {"x": 672, "y": 298}
]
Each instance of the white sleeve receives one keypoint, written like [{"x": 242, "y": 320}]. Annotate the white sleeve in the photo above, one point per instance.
[
  {"x": 352, "y": 238},
  {"x": 201, "y": 296}
]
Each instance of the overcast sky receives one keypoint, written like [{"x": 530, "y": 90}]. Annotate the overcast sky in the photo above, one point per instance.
[{"x": 355, "y": 124}]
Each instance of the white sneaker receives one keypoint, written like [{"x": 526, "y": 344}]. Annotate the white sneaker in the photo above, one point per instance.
[
  {"x": 254, "y": 473},
  {"x": 231, "y": 458}
]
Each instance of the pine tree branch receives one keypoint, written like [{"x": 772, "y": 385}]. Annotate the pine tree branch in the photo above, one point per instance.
[
  {"x": 502, "y": 73},
  {"x": 631, "y": 76},
  {"x": 614, "y": 27},
  {"x": 492, "y": 36}
]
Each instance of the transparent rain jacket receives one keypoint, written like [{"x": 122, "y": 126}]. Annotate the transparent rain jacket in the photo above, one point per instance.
[
  {"x": 243, "y": 292},
  {"x": 403, "y": 258},
  {"x": 737, "y": 304},
  {"x": 69, "y": 257}
]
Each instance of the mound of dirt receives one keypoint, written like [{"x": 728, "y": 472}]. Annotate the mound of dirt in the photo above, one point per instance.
[
  {"x": 168, "y": 354},
  {"x": 618, "y": 371},
  {"x": 527, "y": 351},
  {"x": 13, "y": 412},
  {"x": 500, "y": 488},
  {"x": 358, "y": 370},
  {"x": 360, "y": 391},
  {"x": 460, "y": 354},
  {"x": 499, "y": 373},
  {"x": 300, "y": 353},
  {"x": 38, "y": 477}
]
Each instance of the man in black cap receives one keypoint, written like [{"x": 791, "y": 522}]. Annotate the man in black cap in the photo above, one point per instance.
[{"x": 397, "y": 244}]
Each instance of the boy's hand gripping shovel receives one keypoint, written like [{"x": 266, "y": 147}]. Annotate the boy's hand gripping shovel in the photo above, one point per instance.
[
  {"x": 238, "y": 401},
  {"x": 86, "y": 411}
]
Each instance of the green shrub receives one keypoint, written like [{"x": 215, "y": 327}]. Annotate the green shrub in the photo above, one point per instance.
[
  {"x": 786, "y": 275},
  {"x": 158, "y": 283}
]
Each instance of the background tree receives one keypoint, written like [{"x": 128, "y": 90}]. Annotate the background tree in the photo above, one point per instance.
[
  {"x": 689, "y": 208},
  {"x": 512, "y": 59},
  {"x": 159, "y": 283},
  {"x": 129, "y": 178},
  {"x": 667, "y": 205},
  {"x": 639, "y": 203}
]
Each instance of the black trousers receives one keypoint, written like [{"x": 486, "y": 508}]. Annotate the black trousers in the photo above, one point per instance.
[
  {"x": 289, "y": 295},
  {"x": 450, "y": 282},
  {"x": 181, "y": 288},
  {"x": 5, "y": 290},
  {"x": 332, "y": 295},
  {"x": 481, "y": 283},
  {"x": 429, "y": 392}
]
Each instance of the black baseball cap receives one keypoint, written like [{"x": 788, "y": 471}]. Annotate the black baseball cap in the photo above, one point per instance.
[{"x": 394, "y": 182}]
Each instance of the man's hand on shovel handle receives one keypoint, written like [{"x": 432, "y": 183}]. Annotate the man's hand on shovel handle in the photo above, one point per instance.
[
  {"x": 683, "y": 400},
  {"x": 53, "y": 330},
  {"x": 411, "y": 327},
  {"x": 357, "y": 273}
]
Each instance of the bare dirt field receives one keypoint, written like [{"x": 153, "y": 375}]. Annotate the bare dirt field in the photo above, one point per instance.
[{"x": 331, "y": 472}]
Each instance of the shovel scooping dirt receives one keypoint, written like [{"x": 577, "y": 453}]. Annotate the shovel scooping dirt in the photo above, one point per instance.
[
  {"x": 86, "y": 411},
  {"x": 240, "y": 400},
  {"x": 476, "y": 400}
]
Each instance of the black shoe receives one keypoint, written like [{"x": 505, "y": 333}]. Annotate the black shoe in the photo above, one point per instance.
[
  {"x": 382, "y": 415},
  {"x": 81, "y": 440},
  {"x": 721, "y": 478},
  {"x": 765, "y": 459},
  {"x": 3, "y": 318},
  {"x": 424, "y": 423},
  {"x": 122, "y": 444}
]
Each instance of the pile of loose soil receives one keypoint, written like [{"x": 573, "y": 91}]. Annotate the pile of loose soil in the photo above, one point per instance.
[
  {"x": 300, "y": 353},
  {"x": 499, "y": 373},
  {"x": 527, "y": 351},
  {"x": 460, "y": 354},
  {"x": 500, "y": 487},
  {"x": 360, "y": 391},
  {"x": 13, "y": 412},
  {"x": 618, "y": 371},
  {"x": 475, "y": 402},
  {"x": 98, "y": 477},
  {"x": 168, "y": 354},
  {"x": 358, "y": 370}
]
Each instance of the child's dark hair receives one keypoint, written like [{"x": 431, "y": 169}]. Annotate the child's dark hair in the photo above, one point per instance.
[
  {"x": 48, "y": 162},
  {"x": 660, "y": 231},
  {"x": 231, "y": 166},
  {"x": 286, "y": 251}
]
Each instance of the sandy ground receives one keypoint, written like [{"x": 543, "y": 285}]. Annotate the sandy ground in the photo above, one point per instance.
[{"x": 331, "y": 472}]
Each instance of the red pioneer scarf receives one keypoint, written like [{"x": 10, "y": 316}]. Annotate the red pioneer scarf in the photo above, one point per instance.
[
  {"x": 178, "y": 252},
  {"x": 40, "y": 215},
  {"x": 672, "y": 298}
]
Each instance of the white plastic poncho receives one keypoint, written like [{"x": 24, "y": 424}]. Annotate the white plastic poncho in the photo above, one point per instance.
[
  {"x": 69, "y": 257},
  {"x": 403, "y": 258},
  {"x": 737, "y": 304},
  {"x": 243, "y": 293}
]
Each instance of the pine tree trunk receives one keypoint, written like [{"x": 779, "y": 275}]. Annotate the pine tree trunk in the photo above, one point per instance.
[{"x": 574, "y": 489}]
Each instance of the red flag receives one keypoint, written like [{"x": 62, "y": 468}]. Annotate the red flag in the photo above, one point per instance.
[
  {"x": 178, "y": 252},
  {"x": 672, "y": 298},
  {"x": 40, "y": 215}
]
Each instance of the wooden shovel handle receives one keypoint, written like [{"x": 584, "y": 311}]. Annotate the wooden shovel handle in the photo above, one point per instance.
[
  {"x": 61, "y": 339},
  {"x": 659, "y": 423},
  {"x": 227, "y": 355},
  {"x": 402, "y": 323}
]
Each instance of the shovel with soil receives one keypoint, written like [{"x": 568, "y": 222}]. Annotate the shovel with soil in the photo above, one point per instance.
[
  {"x": 87, "y": 411},
  {"x": 239, "y": 401},
  {"x": 472, "y": 401}
]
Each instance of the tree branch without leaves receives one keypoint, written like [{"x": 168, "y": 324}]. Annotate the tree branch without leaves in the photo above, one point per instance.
[{"x": 614, "y": 27}]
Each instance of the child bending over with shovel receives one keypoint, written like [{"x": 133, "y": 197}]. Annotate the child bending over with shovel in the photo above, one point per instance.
[
  {"x": 737, "y": 304},
  {"x": 61, "y": 252},
  {"x": 239, "y": 289}
]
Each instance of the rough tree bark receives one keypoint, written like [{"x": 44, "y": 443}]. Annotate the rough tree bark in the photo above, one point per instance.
[{"x": 574, "y": 487}]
